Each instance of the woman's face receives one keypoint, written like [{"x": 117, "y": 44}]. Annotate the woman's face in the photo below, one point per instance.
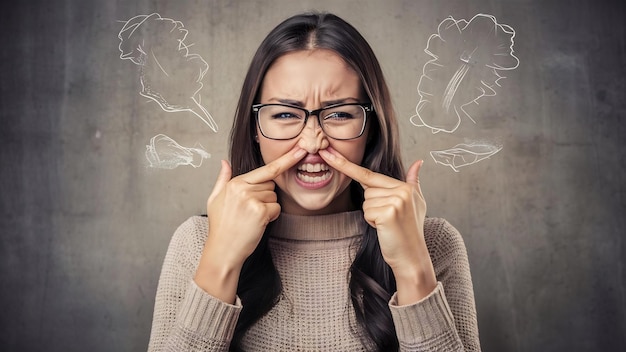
[{"x": 312, "y": 79}]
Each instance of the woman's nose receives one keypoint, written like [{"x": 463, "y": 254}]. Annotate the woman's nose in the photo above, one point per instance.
[{"x": 312, "y": 137}]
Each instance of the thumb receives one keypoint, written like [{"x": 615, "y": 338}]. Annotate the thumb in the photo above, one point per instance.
[
  {"x": 222, "y": 179},
  {"x": 412, "y": 176}
]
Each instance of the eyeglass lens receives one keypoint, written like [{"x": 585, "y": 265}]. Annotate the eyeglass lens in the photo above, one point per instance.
[{"x": 286, "y": 122}]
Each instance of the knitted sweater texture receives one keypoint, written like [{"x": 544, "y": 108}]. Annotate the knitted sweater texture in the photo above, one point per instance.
[{"x": 313, "y": 255}]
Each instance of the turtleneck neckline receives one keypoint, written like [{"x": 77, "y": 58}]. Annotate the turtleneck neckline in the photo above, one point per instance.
[{"x": 318, "y": 227}]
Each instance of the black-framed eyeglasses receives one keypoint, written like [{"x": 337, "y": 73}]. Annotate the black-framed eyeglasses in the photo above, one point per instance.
[{"x": 340, "y": 121}]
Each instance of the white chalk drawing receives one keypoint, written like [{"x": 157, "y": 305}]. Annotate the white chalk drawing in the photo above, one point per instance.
[
  {"x": 169, "y": 74},
  {"x": 467, "y": 63},
  {"x": 464, "y": 154},
  {"x": 164, "y": 153}
]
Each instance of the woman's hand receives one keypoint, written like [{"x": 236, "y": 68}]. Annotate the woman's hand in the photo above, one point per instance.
[
  {"x": 239, "y": 210},
  {"x": 397, "y": 210}
]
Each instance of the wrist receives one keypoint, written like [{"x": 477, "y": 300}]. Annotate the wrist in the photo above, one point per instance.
[
  {"x": 218, "y": 278},
  {"x": 413, "y": 283}
]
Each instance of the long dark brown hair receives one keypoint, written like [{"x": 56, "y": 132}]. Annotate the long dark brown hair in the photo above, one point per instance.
[{"x": 371, "y": 280}]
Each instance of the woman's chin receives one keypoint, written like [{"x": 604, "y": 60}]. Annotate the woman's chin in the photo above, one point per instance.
[
  {"x": 308, "y": 206},
  {"x": 311, "y": 203}
]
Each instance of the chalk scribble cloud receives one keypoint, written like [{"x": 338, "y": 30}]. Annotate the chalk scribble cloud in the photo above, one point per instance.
[
  {"x": 467, "y": 63},
  {"x": 164, "y": 153},
  {"x": 170, "y": 75},
  {"x": 464, "y": 154}
]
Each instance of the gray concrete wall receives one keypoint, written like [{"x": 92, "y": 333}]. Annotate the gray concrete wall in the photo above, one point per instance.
[{"x": 85, "y": 223}]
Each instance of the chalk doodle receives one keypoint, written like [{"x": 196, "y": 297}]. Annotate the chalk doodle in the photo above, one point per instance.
[
  {"x": 164, "y": 153},
  {"x": 169, "y": 74},
  {"x": 464, "y": 154},
  {"x": 467, "y": 63}
]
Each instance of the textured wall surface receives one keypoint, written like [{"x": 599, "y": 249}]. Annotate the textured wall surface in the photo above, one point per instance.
[{"x": 85, "y": 223}]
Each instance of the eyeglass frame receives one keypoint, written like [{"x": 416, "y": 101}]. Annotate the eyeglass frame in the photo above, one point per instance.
[{"x": 367, "y": 108}]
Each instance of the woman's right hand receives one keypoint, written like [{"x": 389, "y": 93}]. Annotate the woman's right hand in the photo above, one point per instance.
[{"x": 239, "y": 209}]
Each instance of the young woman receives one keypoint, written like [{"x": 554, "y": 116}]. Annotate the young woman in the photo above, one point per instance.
[{"x": 315, "y": 239}]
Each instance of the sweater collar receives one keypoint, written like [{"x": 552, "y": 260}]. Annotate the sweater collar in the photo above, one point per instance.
[{"x": 319, "y": 227}]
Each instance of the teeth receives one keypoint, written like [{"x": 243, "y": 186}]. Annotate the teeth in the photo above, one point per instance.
[
  {"x": 316, "y": 179},
  {"x": 313, "y": 167}
]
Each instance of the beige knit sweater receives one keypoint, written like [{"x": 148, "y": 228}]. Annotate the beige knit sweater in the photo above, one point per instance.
[{"x": 312, "y": 255}]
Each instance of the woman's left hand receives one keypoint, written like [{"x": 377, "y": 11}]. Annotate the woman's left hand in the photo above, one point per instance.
[{"x": 397, "y": 210}]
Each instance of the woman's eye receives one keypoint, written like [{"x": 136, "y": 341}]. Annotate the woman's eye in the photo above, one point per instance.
[
  {"x": 285, "y": 115},
  {"x": 338, "y": 115}
]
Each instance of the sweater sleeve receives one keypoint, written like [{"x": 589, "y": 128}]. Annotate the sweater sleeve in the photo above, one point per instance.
[
  {"x": 445, "y": 320},
  {"x": 186, "y": 318}
]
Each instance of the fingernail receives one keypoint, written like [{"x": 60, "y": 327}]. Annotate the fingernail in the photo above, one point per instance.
[
  {"x": 326, "y": 154},
  {"x": 299, "y": 154}
]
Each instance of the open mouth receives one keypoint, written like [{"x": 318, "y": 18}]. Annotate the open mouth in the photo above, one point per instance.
[{"x": 313, "y": 173}]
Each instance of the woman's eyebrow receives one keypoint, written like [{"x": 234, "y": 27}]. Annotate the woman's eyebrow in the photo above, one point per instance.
[
  {"x": 339, "y": 101},
  {"x": 286, "y": 101},
  {"x": 324, "y": 103}
]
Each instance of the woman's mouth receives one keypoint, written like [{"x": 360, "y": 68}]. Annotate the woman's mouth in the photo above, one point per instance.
[{"x": 313, "y": 175}]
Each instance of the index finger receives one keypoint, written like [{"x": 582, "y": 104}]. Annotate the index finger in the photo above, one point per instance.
[
  {"x": 273, "y": 169},
  {"x": 364, "y": 176}
]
